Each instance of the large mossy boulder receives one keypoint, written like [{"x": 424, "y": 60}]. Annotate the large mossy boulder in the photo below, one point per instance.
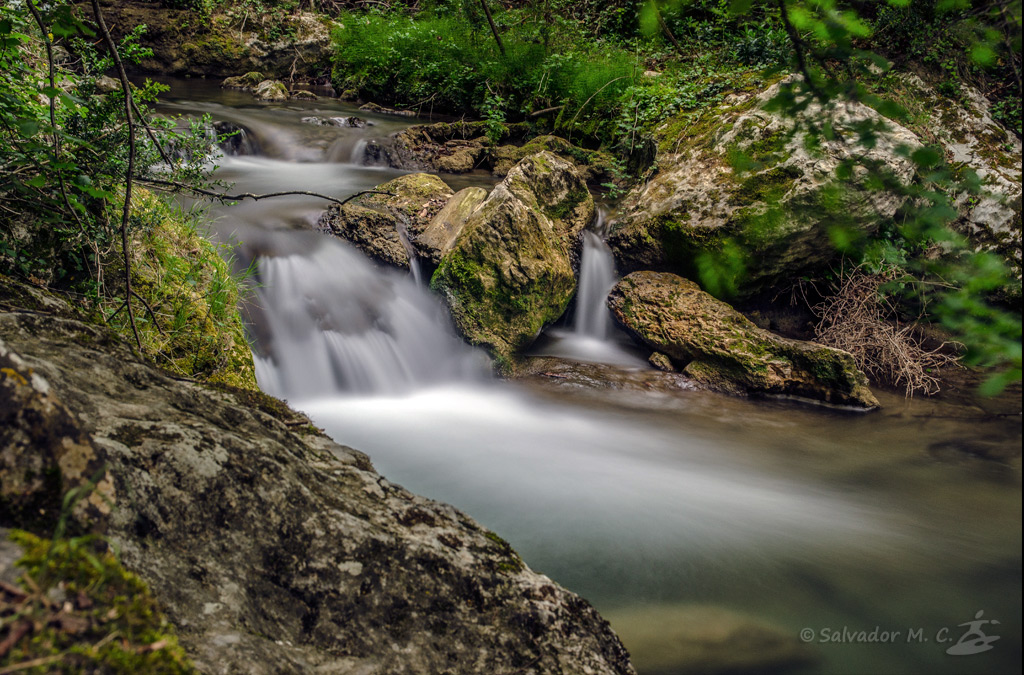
[
  {"x": 741, "y": 184},
  {"x": 718, "y": 346},
  {"x": 510, "y": 269},
  {"x": 377, "y": 223}
]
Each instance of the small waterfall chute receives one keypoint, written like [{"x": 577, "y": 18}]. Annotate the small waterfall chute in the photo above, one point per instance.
[
  {"x": 331, "y": 323},
  {"x": 593, "y": 336}
]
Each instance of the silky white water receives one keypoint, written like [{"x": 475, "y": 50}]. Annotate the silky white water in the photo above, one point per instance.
[{"x": 644, "y": 502}]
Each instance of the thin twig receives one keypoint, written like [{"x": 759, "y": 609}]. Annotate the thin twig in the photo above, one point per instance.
[
  {"x": 545, "y": 111},
  {"x": 798, "y": 47},
  {"x": 126, "y": 212},
  {"x": 256, "y": 197},
  {"x": 149, "y": 309}
]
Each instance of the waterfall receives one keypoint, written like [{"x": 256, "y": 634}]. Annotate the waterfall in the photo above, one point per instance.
[
  {"x": 330, "y": 322},
  {"x": 597, "y": 277},
  {"x": 593, "y": 336}
]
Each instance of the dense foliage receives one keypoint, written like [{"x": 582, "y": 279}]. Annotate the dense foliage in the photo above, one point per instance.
[{"x": 64, "y": 161}]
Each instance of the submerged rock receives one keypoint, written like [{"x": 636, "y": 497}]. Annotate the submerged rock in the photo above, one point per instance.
[
  {"x": 709, "y": 640},
  {"x": 271, "y": 90},
  {"x": 376, "y": 223},
  {"x": 381, "y": 110},
  {"x": 726, "y": 351},
  {"x": 234, "y": 139},
  {"x": 271, "y": 548},
  {"x": 351, "y": 121},
  {"x": 510, "y": 269}
]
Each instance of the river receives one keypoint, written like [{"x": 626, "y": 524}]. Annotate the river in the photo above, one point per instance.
[{"x": 668, "y": 509}]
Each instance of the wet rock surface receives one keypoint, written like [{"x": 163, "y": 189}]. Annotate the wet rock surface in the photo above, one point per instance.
[
  {"x": 377, "y": 223},
  {"x": 510, "y": 269},
  {"x": 273, "y": 549},
  {"x": 724, "y": 350}
]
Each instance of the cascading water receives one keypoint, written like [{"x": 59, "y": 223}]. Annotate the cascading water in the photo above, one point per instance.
[
  {"x": 597, "y": 277},
  {"x": 332, "y": 323},
  {"x": 593, "y": 337},
  {"x": 642, "y": 501}
]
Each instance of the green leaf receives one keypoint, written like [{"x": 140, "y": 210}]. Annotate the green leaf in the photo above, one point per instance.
[
  {"x": 36, "y": 181},
  {"x": 737, "y": 7},
  {"x": 28, "y": 127},
  {"x": 926, "y": 157}
]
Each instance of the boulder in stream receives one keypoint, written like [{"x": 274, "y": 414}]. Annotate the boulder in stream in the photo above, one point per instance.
[
  {"x": 271, "y": 548},
  {"x": 510, "y": 269},
  {"x": 439, "y": 235},
  {"x": 245, "y": 82},
  {"x": 271, "y": 90},
  {"x": 724, "y": 350},
  {"x": 376, "y": 223}
]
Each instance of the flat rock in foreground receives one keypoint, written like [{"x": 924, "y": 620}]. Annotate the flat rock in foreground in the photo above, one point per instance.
[
  {"x": 273, "y": 549},
  {"x": 723, "y": 349}
]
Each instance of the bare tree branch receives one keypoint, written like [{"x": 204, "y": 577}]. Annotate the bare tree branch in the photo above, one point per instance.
[
  {"x": 126, "y": 212},
  {"x": 220, "y": 196}
]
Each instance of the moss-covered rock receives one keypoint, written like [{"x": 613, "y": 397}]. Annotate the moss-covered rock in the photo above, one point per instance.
[
  {"x": 739, "y": 194},
  {"x": 741, "y": 197},
  {"x": 195, "y": 329},
  {"x": 510, "y": 269},
  {"x": 592, "y": 165},
  {"x": 438, "y": 236},
  {"x": 724, "y": 350},
  {"x": 378, "y": 223},
  {"x": 270, "y": 90},
  {"x": 274, "y": 550},
  {"x": 245, "y": 82},
  {"x": 108, "y": 623},
  {"x": 226, "y": 39}
]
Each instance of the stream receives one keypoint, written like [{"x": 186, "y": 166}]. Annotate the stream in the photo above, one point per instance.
[{"x": 666, "y": 509}]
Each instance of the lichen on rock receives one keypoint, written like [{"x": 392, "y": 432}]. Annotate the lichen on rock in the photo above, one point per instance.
[
  {"x": 274, "y": 550},
  {"x": 725, "y": 351},
  {"x": 747, "y": 178}
]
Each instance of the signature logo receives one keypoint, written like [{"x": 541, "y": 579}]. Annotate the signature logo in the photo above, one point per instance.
[{"x": 974, "y": 640}]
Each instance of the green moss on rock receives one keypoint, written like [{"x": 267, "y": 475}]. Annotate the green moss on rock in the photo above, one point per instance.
[
  {"x": 509, "y": 271},
  {"x": 108, "y": 621},
  {"x": 724, "y": 350}
]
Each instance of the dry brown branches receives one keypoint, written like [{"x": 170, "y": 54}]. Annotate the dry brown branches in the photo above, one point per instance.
[{"x": 858, "y": 318}]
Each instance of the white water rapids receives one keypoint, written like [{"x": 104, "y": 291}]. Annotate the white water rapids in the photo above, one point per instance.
[{"x": 646, "y": 502}]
